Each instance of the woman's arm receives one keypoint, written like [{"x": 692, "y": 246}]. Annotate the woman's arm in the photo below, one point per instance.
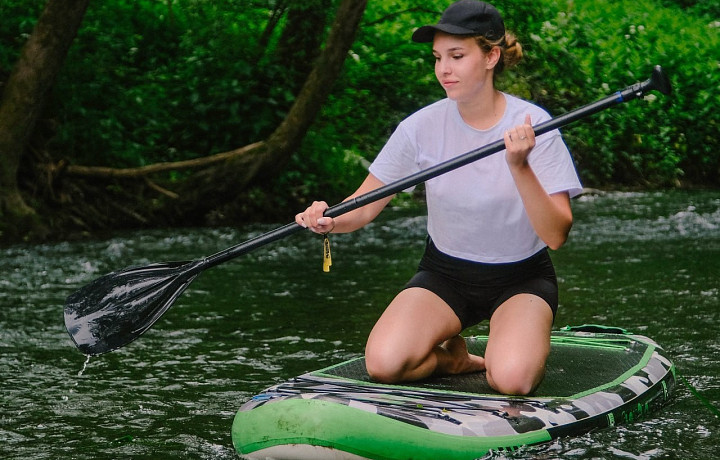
[
  {"x": 313, "y": 219},
  {"x": 550, "y": 215}
]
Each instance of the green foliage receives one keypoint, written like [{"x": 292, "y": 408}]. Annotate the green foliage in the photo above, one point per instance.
[
  {"x": 149, "y": 81},
  {"x": 18, "y": 19},
  {"x": 709, "y": 8},
  {"x": 661, "y": 140}
]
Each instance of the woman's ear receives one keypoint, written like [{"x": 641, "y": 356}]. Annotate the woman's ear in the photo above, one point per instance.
[{"x": 493, "y": 57}]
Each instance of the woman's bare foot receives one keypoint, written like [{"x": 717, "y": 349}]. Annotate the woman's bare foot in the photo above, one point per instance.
[{"x": 461, "y": 361}]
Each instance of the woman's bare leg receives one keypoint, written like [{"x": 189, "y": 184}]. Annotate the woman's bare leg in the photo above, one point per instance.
[
  {"x": 416, "y": 337},
  {"x": 518, "y": 344}
]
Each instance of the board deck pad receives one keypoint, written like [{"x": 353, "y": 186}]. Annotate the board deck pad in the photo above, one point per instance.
[
  {"x": 595, "y": 377},
  {"x": 568, "y": 356}
]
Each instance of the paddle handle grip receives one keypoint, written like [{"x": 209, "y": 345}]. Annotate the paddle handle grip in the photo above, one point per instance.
[{"x": 658, "y": 81}]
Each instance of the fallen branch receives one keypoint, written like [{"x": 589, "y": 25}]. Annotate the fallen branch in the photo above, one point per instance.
[
  {"x": 161, "y": 190},
  {"x": 144, "y": 171}
]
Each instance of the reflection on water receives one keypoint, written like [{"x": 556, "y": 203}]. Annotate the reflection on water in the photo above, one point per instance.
[{"x": 648, "y": 262}]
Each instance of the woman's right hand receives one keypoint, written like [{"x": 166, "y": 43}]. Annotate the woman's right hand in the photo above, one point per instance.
[{"x": 312, "y": 218}]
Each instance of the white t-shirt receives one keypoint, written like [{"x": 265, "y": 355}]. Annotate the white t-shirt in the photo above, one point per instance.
[{"x": 475, "y": 212}]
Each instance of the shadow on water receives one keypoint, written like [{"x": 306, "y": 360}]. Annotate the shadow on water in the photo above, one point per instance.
[{"x": 648, "y": 262}]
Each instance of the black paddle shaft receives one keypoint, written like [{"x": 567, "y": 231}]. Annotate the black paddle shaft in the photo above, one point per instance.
[{"x": 117, "y": 308}]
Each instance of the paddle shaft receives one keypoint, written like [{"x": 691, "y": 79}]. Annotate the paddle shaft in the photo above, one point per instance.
[{"x": 658, "y": 81}]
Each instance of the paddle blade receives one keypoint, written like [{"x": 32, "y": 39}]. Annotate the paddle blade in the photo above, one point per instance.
[
  {"x": 117, "y": 308},
  {"x": 660, "y": 81}
]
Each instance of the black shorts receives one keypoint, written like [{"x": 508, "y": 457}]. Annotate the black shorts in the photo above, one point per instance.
[{"x": 475, "y": 290}]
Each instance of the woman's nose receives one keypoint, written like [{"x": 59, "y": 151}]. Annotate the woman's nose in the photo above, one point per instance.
[{"x": 442, "y": 66}]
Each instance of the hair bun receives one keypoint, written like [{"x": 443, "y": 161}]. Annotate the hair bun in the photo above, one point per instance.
[{"x": 513, "y": 50}]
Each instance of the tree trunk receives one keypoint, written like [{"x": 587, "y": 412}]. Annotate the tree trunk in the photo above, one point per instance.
[
  {"x": 40, "y": 61},
  {"x": 300, "y": 42}
]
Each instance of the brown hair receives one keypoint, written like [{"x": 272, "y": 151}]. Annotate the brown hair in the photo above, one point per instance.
[{"x": 510, "y": 50}]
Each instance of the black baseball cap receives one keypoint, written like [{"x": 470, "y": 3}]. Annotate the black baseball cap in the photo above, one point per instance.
[{"x": 465, "y": 17}]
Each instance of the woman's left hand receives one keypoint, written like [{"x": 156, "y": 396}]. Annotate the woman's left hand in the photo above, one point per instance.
[{"x": 519, "y": 141}]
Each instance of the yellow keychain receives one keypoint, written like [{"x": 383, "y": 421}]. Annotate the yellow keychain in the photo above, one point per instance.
[{"x": 327, "y": 257}]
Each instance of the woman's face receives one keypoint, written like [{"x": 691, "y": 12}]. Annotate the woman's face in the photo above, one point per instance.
[{"x": 461, "y": 67}]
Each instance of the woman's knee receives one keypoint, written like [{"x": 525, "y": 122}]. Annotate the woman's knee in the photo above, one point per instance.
[
  {"x": 514, "y": 378},
  {"x": 401, "y": 345},
  {"x": 384, "y": 366},
  {"x": 519, "y": 344}
]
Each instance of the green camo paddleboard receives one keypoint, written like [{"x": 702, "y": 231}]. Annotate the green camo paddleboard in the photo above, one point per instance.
[{"x": 596, "y": 377}]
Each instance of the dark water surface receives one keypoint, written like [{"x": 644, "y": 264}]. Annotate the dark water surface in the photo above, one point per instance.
[{"x": 647, "y": 262}]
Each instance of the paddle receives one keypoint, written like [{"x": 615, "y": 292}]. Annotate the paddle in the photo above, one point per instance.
[{"x": 117, "y": 308}]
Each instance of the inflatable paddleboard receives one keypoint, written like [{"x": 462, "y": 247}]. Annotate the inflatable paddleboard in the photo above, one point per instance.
[{"x": 596, "y": 377}]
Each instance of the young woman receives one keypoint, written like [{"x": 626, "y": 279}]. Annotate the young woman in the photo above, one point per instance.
[{"x": 489, "y": 223}]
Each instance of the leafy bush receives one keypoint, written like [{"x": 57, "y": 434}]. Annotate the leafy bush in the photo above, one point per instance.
[
  {"x": 662, "y": 140},
  {"x": 709, "y": 8}
]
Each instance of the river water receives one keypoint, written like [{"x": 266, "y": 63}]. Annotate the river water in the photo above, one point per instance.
[{"x": 647, "y": 262}]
